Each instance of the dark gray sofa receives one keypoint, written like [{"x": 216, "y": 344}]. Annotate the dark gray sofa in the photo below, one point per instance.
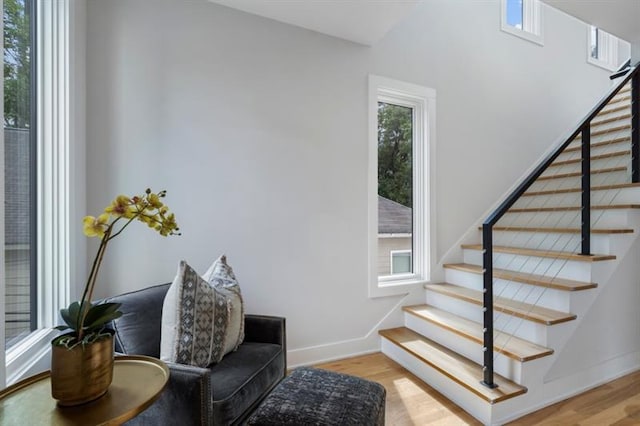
[{"x": 222, "y": 394}]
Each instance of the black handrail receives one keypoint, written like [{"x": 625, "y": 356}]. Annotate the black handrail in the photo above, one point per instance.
[
  {"x": 492, "y": 219},
  {"x": 622, "y": 70}
]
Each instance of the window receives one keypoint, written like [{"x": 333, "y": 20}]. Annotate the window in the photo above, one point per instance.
[
  {"x": 401, "y": 262},
  {"x": 43, "y": 54},
  {"x": 19, "y": 172},
  {"x": 522, "y": 18},
  {"x": 602, "y": 49},
  {"x": 402, "y": 128}
]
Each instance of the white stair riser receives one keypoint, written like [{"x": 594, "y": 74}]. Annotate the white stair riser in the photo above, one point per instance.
[
  {"x": 606, "y": 197},
  {"x": 550, "y": 241},
  {"x": 503, "y": 365},
  {"x": 613, "y": 218},
  {"x": 570, "y": 269},
  {"x": 548, "y": 297},
  {"x": 528, "y": 330},
  {"x": 597, "y": 179},
  {"x": 460, "y": 395}
]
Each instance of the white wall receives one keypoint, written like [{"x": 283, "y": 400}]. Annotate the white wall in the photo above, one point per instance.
[{"x": 258, "y": 130}]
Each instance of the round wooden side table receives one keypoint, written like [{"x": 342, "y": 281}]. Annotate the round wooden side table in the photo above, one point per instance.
[{"x": 137, "y": 383}]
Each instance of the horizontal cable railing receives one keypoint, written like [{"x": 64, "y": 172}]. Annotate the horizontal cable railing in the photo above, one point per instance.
[{"x": 554, "y": 203}]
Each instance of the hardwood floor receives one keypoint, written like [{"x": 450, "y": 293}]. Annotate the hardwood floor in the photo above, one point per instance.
[
  {"x": 412, "y": 402},
  {"x": 409, "y": 400}
]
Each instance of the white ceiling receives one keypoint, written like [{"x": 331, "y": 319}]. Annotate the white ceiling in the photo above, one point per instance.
[
  {"x": 360, "y": 21},
  {"x": 618, "y": 17},
  {"x": 367, "y": 21}
]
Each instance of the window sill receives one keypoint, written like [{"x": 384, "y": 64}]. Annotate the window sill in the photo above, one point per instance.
[
  {"x": 25, "y": 357},
  {"x": 395, "y": 288},
  {"x": 602, "y": 64},
  {"x": 525, "y": 35}
]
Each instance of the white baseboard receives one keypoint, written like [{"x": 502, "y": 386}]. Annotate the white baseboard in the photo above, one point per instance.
[{"x": 369, "y": 343}]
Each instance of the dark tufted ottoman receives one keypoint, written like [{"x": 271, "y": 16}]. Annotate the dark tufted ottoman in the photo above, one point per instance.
[{"x": 309, "y": 396}]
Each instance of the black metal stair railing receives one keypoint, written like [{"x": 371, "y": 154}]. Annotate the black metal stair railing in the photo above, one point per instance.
[{"x": 584, "y": 130}]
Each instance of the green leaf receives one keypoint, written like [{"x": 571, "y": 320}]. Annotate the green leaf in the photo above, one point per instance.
[
  {"x": 98, "y": 311},
  {"x": 102, "y": 320},
  {"x": 62, "y": 327}
]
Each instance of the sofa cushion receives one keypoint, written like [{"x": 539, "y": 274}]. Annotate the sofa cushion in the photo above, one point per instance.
[
  {"x": 221, "y": 276},
  {"x": 243, "y": 378},
  {"x": 195, "y": 321},
  {"x": 138, "y": 329}
]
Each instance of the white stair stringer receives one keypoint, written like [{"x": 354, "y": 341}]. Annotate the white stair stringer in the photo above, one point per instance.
[{"x": 553, "y": 377}]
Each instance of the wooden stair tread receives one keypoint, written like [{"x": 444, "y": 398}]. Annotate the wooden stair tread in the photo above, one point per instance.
[
  {"x": 572, "y": 208},
  {"x": 593, "y": 158},
  {"x": 558, "y": 230},
  {"x": 578, "y": 147},
  {"x": 458, "y": 368},
  {"x": 617, "y": 100},
  {"x": 527, "y": 278},
  {"x": 511, "y": 346},
  {"x": 610, "y": 130},
  {"x": 611, "y": 119},
  {"x": 524, "y": 310},
  {"x": 593, "y": 188},
  {"x": 579, "y": 174},
  {"x": 606, "y": 111},
  {"x": 544, "y": 253}
]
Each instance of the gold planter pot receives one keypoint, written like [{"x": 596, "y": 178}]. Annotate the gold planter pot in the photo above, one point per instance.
[{"x": 83, "y": 373}]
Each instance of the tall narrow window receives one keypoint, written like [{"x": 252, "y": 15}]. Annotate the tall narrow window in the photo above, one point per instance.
[
  {"x": 401, "y": 129},
  {"x": 523, "y": 18},
  {"x": 602, "y": 49},
  {"x": 19, "y": 168},
  {"x": 395, "y": 184}
]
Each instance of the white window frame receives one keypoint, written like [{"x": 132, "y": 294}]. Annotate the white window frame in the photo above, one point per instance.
[
  {"x": 393, "y": 252},
  {"x": 607, "y": 50},
  {"x": 61, "y": 179},
  {"x": 532, "y": 21},
  {"x": 423, "y": 102}
]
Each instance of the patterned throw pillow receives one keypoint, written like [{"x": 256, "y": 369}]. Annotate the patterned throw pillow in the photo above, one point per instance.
[
  {"x": 221, "y": 276},
  {"x": 196, "y": 318}
]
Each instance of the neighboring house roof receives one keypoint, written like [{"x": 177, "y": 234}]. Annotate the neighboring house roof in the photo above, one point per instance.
[
  {"x": 393, "y": 218},
  {"x": 16, "y": 184}
]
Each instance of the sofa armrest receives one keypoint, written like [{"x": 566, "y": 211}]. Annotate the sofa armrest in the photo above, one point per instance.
[
  {"x": 186, "y": 397},
  {"x": 265, "y": 329}
]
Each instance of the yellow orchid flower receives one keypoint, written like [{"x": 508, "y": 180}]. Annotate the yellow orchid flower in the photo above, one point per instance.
[
  {"x": 121, "y": 207},
  {"x": 95, "y": 226},
  {"x": 154, "y": 200}
]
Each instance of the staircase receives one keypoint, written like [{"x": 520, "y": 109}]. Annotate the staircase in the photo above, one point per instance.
[{"x": 536, "y": 283}]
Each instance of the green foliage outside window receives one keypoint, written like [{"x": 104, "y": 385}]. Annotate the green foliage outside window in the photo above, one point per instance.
[
  {"x": 395, "y": 164},
  {"x": 17, "y": 64}
]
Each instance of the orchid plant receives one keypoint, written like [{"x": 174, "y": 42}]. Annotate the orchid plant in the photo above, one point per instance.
[{"x": 87, "y": 321}]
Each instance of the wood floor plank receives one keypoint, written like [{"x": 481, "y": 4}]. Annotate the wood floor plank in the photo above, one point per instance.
[
  {"x": 409, "y": 400},
  {"x": 458, "y": 368},
  {"x": 527, "y": 311},
  {"x": 523, "y": 277},
  {"x": 511, "y": 346},
  {"x": 412, "y": 402},
  {"x": 544, "y": 253}
]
